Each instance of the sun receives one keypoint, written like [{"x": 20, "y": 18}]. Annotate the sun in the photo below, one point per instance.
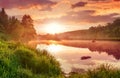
[{"x": 53, "y": 28}]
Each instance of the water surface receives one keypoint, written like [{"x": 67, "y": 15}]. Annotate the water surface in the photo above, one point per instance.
[{"x": 83, "y": 55}]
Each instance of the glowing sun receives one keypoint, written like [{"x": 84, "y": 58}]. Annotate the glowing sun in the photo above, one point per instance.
[{"x": 53, "y": 28}]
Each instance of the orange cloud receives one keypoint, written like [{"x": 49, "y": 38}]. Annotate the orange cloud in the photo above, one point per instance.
[{"x": 104, "y": 8}]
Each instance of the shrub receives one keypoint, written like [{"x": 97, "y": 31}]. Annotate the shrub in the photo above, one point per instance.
[
  {"x": 19, "y": 61},
  {"x": 103, "y": 71}
]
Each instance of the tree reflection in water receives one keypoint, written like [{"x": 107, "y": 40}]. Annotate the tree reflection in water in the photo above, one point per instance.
[{"x": 110, "y": 47}]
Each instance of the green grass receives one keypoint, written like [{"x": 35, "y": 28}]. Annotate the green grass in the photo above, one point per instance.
[
  {"x": 19, "y": 61},
  {"x": 104, "y": 71}
]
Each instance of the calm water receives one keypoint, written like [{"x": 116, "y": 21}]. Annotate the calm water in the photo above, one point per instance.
[{"x": 83, "y": 54}]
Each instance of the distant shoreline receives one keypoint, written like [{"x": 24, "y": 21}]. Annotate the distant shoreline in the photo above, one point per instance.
[
  {"x": 80, "y": 39},
  {"x": 96, "y": 39}
]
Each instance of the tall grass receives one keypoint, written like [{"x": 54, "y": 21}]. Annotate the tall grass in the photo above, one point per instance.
[
  {"x": 19, "y": 61},
  {"x": 103, "y": 71}
]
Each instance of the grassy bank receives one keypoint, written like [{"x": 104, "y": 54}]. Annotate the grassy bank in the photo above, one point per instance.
[
  {"x": 104, "y": 71},
  {"x": 19, "y": 61}
]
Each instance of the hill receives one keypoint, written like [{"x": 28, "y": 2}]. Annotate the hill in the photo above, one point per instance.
[{"x": 110, "y": 31}]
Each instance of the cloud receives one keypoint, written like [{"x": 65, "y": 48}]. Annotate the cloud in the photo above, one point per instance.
[
  {"x": 99, "y": 0},
  {"x": 79, "y": 4},
  {"x": 105, "y": 8},
  {"x": 46, "y": 8},
  {"x": 116, "y": 0},
  {"x": 89, "y": 17},
  {"x": 86, "y": 17},
  {"x": 25, "y": 3}
]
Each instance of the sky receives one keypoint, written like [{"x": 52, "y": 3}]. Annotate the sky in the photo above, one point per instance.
[{"x": 69, "y": 14}]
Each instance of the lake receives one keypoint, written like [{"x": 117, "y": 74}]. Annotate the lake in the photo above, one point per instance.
[{"x": 82, "y": 54}]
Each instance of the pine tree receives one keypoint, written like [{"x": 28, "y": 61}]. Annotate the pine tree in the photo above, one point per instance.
[{"x": 3, "y": 20}]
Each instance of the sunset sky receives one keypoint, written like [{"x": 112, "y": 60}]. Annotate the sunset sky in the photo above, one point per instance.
[{"x": 69, "y": 14}]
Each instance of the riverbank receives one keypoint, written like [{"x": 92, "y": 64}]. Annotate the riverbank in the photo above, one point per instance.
[{"x": 20, "y": 61}]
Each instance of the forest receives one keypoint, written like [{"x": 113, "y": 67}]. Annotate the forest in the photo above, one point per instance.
[
  {"x": 18, "y": 30},
  {"x": 109, "y": 31}
]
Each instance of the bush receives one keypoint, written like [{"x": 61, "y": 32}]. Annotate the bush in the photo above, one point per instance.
[
  {"x": 19, "y": 61},
  {"x": 104, "y": 71}
]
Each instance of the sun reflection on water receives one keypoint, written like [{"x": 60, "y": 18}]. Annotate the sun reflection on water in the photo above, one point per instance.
[{"x": 54, "y": 48}]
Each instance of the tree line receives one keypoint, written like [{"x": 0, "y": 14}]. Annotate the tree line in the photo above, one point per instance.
[
  {"x": 109, "y": 31},
  {"x": 13, "y": 29}
]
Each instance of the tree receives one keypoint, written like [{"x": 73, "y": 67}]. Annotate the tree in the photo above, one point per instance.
[
  {"x": 27, "y": 21},
  {"x": 29, "y": 31},
  {"x": 116, "y": 22},
  {"x": 3, "y": 20}
]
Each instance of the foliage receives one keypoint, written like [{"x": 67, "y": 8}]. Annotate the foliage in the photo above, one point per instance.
[
  {"x": 104, "y": 71},
  {"x": 15, "y": 29},
  {"x": 19, "y": 61},
  {"x": 111, "y": 30}
]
